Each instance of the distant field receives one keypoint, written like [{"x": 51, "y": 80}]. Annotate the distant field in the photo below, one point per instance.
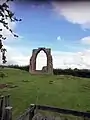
[{"x": 60, "y": 91}]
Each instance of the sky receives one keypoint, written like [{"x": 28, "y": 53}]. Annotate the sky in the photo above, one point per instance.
[{"x": 62, "y": 26}]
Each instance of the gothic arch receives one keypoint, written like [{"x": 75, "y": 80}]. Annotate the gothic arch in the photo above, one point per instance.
[
  {"x": 41, "y": 49},
  {"x": 48, "y": 69}
]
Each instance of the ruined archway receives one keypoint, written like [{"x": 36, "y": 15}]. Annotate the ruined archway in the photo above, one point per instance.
[{"x": 46, "y": 69}]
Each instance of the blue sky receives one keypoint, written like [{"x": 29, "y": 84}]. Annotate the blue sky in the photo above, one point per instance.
[
  {"x": 41, "y": 26},
  {"x": 65, "y": 28}
]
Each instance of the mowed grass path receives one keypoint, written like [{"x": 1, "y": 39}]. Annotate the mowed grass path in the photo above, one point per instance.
[{"x": 64, "y": 92}]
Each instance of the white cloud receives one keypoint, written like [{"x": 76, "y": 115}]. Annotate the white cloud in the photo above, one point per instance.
[
  {"x": 72, "y": 60},
  {"x": 74, "y": 12},
  {"x": 59, "y": 38},
  {"x": 86, "y": 40},
  {"x": 15, "y": 56},
  {"x": 61, "y": 59}
]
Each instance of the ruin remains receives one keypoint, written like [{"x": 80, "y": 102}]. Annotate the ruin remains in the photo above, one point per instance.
[{"x": 46, "y": 69}]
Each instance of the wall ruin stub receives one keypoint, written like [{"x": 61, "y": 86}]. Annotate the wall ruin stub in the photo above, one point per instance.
[{"x": 46, "y": 69}]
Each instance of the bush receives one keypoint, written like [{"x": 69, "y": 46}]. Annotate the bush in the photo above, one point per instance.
[{"x": 73, "y": 72}]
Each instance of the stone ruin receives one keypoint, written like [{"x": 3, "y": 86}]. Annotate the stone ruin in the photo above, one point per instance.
[{"x": 46, "y": 69}]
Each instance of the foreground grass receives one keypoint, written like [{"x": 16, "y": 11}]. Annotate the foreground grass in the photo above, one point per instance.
[{"x": 60, "y": 91}]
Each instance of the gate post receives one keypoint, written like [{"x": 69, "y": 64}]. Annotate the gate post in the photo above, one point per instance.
[
  {"x": 31, "y": 112},
  {"x": 8, "y": 113}
]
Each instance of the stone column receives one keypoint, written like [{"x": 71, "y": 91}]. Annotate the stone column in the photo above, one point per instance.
[{"x": 50, "y": 65}]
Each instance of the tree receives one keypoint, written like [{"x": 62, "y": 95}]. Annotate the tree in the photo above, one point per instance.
[{"x": 6, "y": 13}]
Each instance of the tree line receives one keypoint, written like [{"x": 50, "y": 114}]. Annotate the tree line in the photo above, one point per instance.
[{"x": 73, "y": 72}]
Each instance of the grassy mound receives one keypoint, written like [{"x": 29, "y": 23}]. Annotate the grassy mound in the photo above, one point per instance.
[{"x": 60, "y": 91}]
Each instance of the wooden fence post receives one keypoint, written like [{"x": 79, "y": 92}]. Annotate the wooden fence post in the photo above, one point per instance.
[
  {"x": 1, "y": 106},
  {"x": 31, "y": 112},
  {"x": 8, "y": 113},
  {"x": 7, "y": 100}
]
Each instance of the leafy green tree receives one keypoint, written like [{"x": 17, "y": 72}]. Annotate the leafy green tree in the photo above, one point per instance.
[{"x": 5, "y": 14}]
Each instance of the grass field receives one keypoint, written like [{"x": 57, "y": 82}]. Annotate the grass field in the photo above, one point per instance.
[{"x": 60, "y": 91}]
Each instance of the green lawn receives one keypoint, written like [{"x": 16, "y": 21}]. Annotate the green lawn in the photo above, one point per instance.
[{"x": 64, "y": 92}]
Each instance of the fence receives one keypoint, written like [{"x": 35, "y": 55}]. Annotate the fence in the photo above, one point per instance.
[
  {"x": 32, "y": 112},
  {"x": 5, "y": 108}
]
